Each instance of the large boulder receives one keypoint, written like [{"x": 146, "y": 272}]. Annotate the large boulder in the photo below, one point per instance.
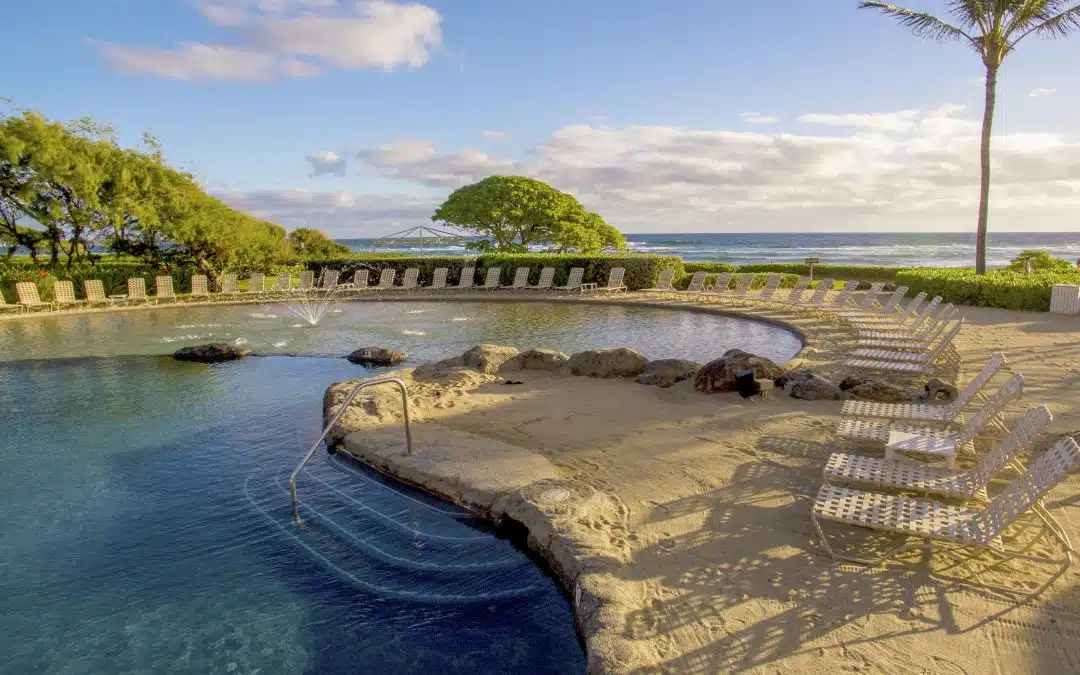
[
  {"x": 719, "y": 375},
  {"x": 618, "y": 362},
  {"x": 488, "y": 358},
  {"x": 881, "y": 391},
  {"x": 666, "y": 372},
  {"x": 376, "y": 356},
  {"x": 536, "y": 359},
  {"x": 809, "y": 385},
  {"x": 210, "y": 353},
  {"x": 852, "y": 381}
]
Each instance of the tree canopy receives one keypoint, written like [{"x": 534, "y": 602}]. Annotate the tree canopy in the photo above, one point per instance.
[
  {"x": 68, "y": 188},
  {"x": 511, "y": 213},
  {"x": 1039, "y": 261},
  {"x": 992, "y": 29},
  {"x": 312, "y": 243}
]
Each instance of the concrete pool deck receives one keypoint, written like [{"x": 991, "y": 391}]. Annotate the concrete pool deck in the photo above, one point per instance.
[{"x": 678, "y": 521}]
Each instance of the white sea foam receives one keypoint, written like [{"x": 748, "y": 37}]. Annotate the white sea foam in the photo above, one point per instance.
[
  {"x": 200, "y": 325},
  {"x": 419, "y": 311},
  {"x": 297, "y": 325},
  {"x": 180, "y": 338},
  {"x": 240, "y": 341},
  {"x": 460, "y": 318},
  {"x": 413, "y": 332},
  {"x": 281, "y": 343}
]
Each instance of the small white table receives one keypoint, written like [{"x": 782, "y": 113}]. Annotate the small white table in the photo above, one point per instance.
[
  {"x": 591, "y": 286},
  {"x": 904, "y": 443}
]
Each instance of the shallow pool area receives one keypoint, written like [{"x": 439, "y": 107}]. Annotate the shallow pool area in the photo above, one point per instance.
[
  {"x": 425, "y": 330},
  {"x": 144, "y": 503}
]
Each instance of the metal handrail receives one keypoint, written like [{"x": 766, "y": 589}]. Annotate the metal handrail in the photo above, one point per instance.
[{"x": 326, "y": 431}]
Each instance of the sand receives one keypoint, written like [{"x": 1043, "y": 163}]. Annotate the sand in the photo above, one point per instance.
[{"x": 679, "y": 520}]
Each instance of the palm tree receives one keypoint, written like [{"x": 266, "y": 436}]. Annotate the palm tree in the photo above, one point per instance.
[{"x": 992, "y": 28}]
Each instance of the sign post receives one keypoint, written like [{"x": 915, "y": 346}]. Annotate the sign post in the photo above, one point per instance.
[{"x": 811, "y": 262}]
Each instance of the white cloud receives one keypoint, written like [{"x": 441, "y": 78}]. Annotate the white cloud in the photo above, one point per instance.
[
  {"x": 493, "y": 135},
  {"x": 326, "y": 164},
  {"x": 758, "y": 118},
  {"x": 1040, "y": 91},
  {"x": 326, "y": 33},
  {"x": 910, "y": 170},
  {"x": 885, "y": 122},
  {"x": 341, "y": 214}
]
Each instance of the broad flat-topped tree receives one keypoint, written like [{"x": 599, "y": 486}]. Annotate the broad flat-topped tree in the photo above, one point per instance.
[
  {"x": 993, "y": 29},
  {"x": 513, "y": 212}
]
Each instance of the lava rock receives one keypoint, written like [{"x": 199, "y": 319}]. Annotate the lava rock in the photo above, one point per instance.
[
  {"x": 536, "y": 359},
  {"x": 618, "y": 362},
  {"x": 488, "y": 358},
  {"x": 210, "y": 353},
  {"x": 883, "y": 392},
  {"x": 852, "y": 381},
  {"x": 940, "y": 391},
  {"x": 667, "y": 372},
  {"x": 376, "y": 356},
  {"x": 719, "y": 375}
]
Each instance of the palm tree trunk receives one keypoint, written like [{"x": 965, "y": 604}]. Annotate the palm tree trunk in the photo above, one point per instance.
[{"x": 984, "y": 154}]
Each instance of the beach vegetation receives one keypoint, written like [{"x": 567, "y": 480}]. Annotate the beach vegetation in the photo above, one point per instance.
[
  {"x": 992, "y": 30},
  {"x": 511, "y": 213},
  {"x": 1039, "y": 261},
  {"x": 307, "y": 242}
]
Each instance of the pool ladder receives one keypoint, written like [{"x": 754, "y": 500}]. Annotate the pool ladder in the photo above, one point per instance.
[{"x": 334, "y": 421}]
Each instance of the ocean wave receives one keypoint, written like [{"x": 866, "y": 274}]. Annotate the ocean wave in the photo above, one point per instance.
[
  {"x": 180, "y": 338},
  {"x": 412, "y": 332}
]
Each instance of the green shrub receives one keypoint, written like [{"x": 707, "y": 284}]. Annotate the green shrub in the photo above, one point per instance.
[
  {"x": 1040, "y": 261},
  {"x": 642, "y": 271},
  {"x": 861, "y": 272},
  {"x": 1000, "y": 288},
  {"x": 711, "y": 267}
]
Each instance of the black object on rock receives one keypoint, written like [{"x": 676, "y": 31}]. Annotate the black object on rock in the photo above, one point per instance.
[{"x": 746, "y": 385}]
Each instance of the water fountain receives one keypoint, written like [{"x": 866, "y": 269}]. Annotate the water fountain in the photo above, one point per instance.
[{"x": 311, "y": 302}]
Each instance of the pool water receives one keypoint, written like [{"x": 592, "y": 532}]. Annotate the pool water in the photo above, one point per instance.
[
  {"x": 146, "y": 528},
  {"x": 426, "y": 331},
  {"x": 144, "y": 508}
]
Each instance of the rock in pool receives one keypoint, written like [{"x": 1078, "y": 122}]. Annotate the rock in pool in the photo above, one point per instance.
[
  {"x": 719, "y": 375},
  {"x": 666, "y": 372},
  {"x": 376, "y": 356},
  {"x": 211, "y": 353}
]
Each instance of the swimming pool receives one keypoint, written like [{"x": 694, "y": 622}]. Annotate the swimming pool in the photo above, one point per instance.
[{"x": 145, "y": 516}]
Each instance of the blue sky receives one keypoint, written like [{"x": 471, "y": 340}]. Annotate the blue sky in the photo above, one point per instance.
[{"x": 640, "y": 108}]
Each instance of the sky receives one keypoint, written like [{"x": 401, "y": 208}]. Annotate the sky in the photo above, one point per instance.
[{"x": 358, "y": 118}]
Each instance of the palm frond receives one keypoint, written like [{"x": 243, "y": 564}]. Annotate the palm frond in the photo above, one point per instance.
[
  {"x": 972, "y": 13},
  {"x": 1059, "y": 25},
  {"x": 922, "y": 24}
]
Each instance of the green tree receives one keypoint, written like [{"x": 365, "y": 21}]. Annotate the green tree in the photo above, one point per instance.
[
  {"x": 993, "y": 29},
  {"x": 511, "y": 213},
  {"x": 1039, "y": 261},
  {"x": 312, "y": 243}
]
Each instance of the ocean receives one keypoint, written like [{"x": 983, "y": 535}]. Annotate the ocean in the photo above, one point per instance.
[{"x": 888, "y": 249}]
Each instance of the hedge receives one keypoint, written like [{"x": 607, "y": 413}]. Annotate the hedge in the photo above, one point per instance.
[
  {"x": 861, "y": 272},
  {"x": 642, "y": 271},
  {"x": 999, "y": 288}
]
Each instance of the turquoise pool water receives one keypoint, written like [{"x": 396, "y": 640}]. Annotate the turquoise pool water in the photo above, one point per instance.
[{"x": 146, "y": 523}]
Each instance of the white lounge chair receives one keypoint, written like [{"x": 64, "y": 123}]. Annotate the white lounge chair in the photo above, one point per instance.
[
  {"x": 227, "y": 284},
  {"x": 880, "y": 433},
  {"x": 521, "y": 279},
  {"x": 663, "y": 282},
  {"x": 329, "y": 280},
  {"x": 136, "y": 287},
  {"x": 386, "y": 280},
  {"x": 908, "y": 321},
  {"x": 614, "y": 282},
  {"x": 28, "y": 296},
  {"x": 938, "y": 524},
  {"x": 547, "y": 278},
  {"x": 438, "y": 279},
  {"x": 867, "y": 310},
  {"x": 95, "y": 293},
  {"x": 256, "y": 284},
  {"x": 359, "y": 281},
  {"x": 283, "y": 283},
  {"x": 465, "y": 279},
  {"x": 492, "y": 281},
  {"x": 925, "y": 412},
  {"x": 199, "y": 287},
  {"x": 918, "y": 477},
  {"x": 772, "y": 282},
  {"x": 842, "y": 299},
  {"x": 903, "y": 350},
  {"x": 927, "y": 327},
  {"x": 163, "y": 289},
  {"x": 4, "y": 306},
  {"x": 307, "y": 281},
  {"x": 918, "y": 363},
  {"x": 696, "y": 287},
  {"x": 64, "y": 294},
  {"x": 742, "y": 286},
  {"x": 411, "y": 280},
  {"x": 817, "y": 298},
  {"x": 573, "y": 280},
  {"x": 794, "y": 296}
]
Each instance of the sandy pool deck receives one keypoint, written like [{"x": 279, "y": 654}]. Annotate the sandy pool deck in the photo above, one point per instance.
[{"x": 679, "y": 520}]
